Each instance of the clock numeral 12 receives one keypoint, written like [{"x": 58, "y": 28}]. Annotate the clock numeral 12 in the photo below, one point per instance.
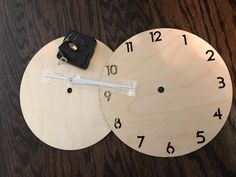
[
  {"x": 218, "y": 114},
  {"x": 129, "y": 46},
  {"x": 170, "y": 149},
  {"x": 158, "y": 37},
  {"x": 199, "y": 135},
  {"x": 111, "y": 69},
  {"x": 211, "y": 56},
  {"x": 117, "y": 123},
  {"x": 141, "y": 141}
]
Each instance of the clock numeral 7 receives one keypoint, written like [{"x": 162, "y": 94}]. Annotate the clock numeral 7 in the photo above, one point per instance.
[
  {"x": 141, "y": 141},
  {"x": 156, "y": 34},
  {"x": 221, "y": 82},
  {"x": 112, "y": 69},
  {"x": 129, "y": 46},
  {"x": 199, "y": 135},
  {"x": 170, "y": 149}
]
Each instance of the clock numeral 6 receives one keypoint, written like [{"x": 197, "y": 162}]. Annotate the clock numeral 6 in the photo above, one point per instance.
[
  {"x": 129, "y": 46},
  {"x": 221, "y": 82},
  {"x": 141, "y": 141},
  {"x": 170, "y": 149},
  {"x": 211, "y": 56},
  {"x": 156, "y": 34},
  {"x": 107, "y": 95},
  {"x": 111, "y": 69},
  {"x": 218, "y": 114},
  {"x": 117, "y": 123},
  {"x": 199, "y": 135}
]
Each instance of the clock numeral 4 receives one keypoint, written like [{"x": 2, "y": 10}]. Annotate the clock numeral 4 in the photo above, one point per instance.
[
  {"x": 221, "y": 82},
  {"x": 156, "y": 36},
  {"x": 211, "y": 55},
  {"x": 170, "y": 149},
  {"x": 218, "y": 114},
  {"x": 107, "y": 95},
  {"x": 112, "y": 69},
  {"x": 141, "y": 141},
  {"x": 185, "y": 39},
  {"x": 200, "y": 137},
  {"x": 117, "y": 123},
  {"x": 129, "y": 46}
]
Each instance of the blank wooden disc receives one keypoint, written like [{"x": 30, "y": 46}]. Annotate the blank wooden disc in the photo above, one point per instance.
[
  {"x": 183, "y": 95},
  {"x": 63, "y": 116}
]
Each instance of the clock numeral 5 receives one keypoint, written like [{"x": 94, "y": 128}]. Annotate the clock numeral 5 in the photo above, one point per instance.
[
  {"x": 170, "y": 149},
  {"x": 221, "y": 82},
  {"x": 129, "y": 46},
  {"x": 117, "y": 123},
  {"x": 211, "y": 56},
  {"x": 218, "y": 114},
  {"x": 199, "y": 135},
  {"x": 156, "y": 34},
  {"x": 112, "y": 69},
  {"x": 141, "y": 141},
  {"x": 107, "y": 95}
]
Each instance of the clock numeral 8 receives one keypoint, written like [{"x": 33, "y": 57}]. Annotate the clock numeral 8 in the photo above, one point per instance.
[
  {"x": 117, "y": 123},
  {"x": 111, "y": 69},
  {"x": 199, "y": 135},
  {"x": 221, "y": 82},
  {"x": 170, "y": 149}
]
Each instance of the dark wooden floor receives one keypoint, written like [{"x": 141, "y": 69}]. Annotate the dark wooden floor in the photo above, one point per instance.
[{"x": 27, "y": 25}]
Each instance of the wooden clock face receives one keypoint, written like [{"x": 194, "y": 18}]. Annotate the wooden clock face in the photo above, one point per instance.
[
  {"x": 63, "y": 116},
  {"x": 183, "y": 94}
]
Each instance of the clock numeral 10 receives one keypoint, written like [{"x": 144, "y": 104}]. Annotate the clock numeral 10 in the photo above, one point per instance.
[
  {"x": 218, "y": 114},
  {"x": 156, "y": 36},
  {"x": 129, "y": 46},
  {"x": 221, "y": 82},
  {"x": 117, "y": 123},
  {"x": 107, "y": 95},
  {"x": 111, "y": 69},
  {"x": 141, "y": 141},
  {"x": 170, "y": 149},
  {"x": 200, "y": 137},
  {"x": 211, "y": 55}
]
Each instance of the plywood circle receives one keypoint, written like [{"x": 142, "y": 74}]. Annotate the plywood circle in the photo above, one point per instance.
[
  {"x": 183, "y": 95},
  {"x": 63, "y": 116}
]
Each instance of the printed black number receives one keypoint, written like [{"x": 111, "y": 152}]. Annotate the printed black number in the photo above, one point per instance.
[
  {"x": 111, "y": 69},
  {"x": 200, "y": 136},
  {"x": 221, "y": 82},
  {"x": 141, "y": 141},
  {"x": 117, "y": 123},
  {"x": 218, "y": 114},
  {"x": 170, "y": 149},
  {"x": 158, "y": 37},
  {"x": 211, "y": 56},
  {"x": 129, "y": 46},
  {"x": 107, "y": 95},
  {"x": 185, "y": 39}
]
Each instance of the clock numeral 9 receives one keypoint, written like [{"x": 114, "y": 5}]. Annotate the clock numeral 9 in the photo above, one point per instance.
[
  {"x": 170, "y": 149},
  {"x": 107, "y": 95},
  {"x": 211, "y": 56},
  {"x": 218, "y": 114},
  {"x": 111, "y": 69},
  {"x": 221, "y": 82},
  {"x": 157, "y": 34},
  {"x": 117, "y": 123},
  {"x": 129, "y": 46},
  {"x": 199, "y": 135},
  {"x": 141, "y": 141}
]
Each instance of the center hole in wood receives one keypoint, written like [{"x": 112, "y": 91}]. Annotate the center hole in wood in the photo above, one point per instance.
[
  {"x": 69, "y": 90},
  {"x": 161, "y": 89}
]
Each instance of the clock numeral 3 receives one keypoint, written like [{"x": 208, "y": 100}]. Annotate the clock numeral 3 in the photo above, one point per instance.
[
  {"x": 221, "y": 82},
  {"x": 156, "y": 34},
  {"x": 107, "y": 95},
  {"x": 111, "y": 69},
  {"x": 211, "y": 56},
  {"x": 185, "y": 39},
  {"x": 170, "y": 149},
  {"x": 141, "y": 141},
  {"x": 117, "y": 123},
  {"x": 218, "y": 114},
  {"x": 199, "y": 135},
  {"x": 129, "y": 46}
]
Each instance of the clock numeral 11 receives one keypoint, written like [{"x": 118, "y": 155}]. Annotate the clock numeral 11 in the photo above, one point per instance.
[
  {"x": 129, "y": 46},
  {"x": 156, "y": 36}
]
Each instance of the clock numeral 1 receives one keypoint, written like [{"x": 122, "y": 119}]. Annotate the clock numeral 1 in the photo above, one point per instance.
[
  {"x": 156, "y": 34},
  {"x": 201, "y": 137},
  {"x": 111, "y": 69},
  {"x": 221, "y": 82},
  {"x": 129, "y": 46},
  {"x": 170, "y": 149},
  {"x": 117, "y": 123},
  {"x": 107, "y": 95},
  {"x": 218, "y": 114},
  {"x": 211, "y": 55},
  {"x": 141, "y": 141},
  {"x": 185, "y": 39}
]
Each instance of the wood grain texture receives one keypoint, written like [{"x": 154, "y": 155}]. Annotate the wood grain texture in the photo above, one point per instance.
[{"x": 27, "y": 25}]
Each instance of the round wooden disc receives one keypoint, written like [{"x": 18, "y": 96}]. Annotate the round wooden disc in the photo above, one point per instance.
[
  {"x": 183, "y": 95},
  {"x": 61, "y": 119}
]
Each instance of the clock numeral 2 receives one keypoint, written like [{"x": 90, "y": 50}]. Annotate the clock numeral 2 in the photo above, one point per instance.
[
  {"x": 141, "y": 141},
  {"x": 185, "y": 39},
  {"x": 111, "y": 69},
  {"x": 117, "y": 123},
  {"x": 158, "y": 37},
  {"x": 218, "y": 114},
  {"x": 107, "y": 95},
  {"x": 201, "y": 137},
  {"x": 129, "y": 46},
  {"x": 221, "y": 82},
  {"x": 211, "y": 56},
  {"x": 170, "y": 149}
]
